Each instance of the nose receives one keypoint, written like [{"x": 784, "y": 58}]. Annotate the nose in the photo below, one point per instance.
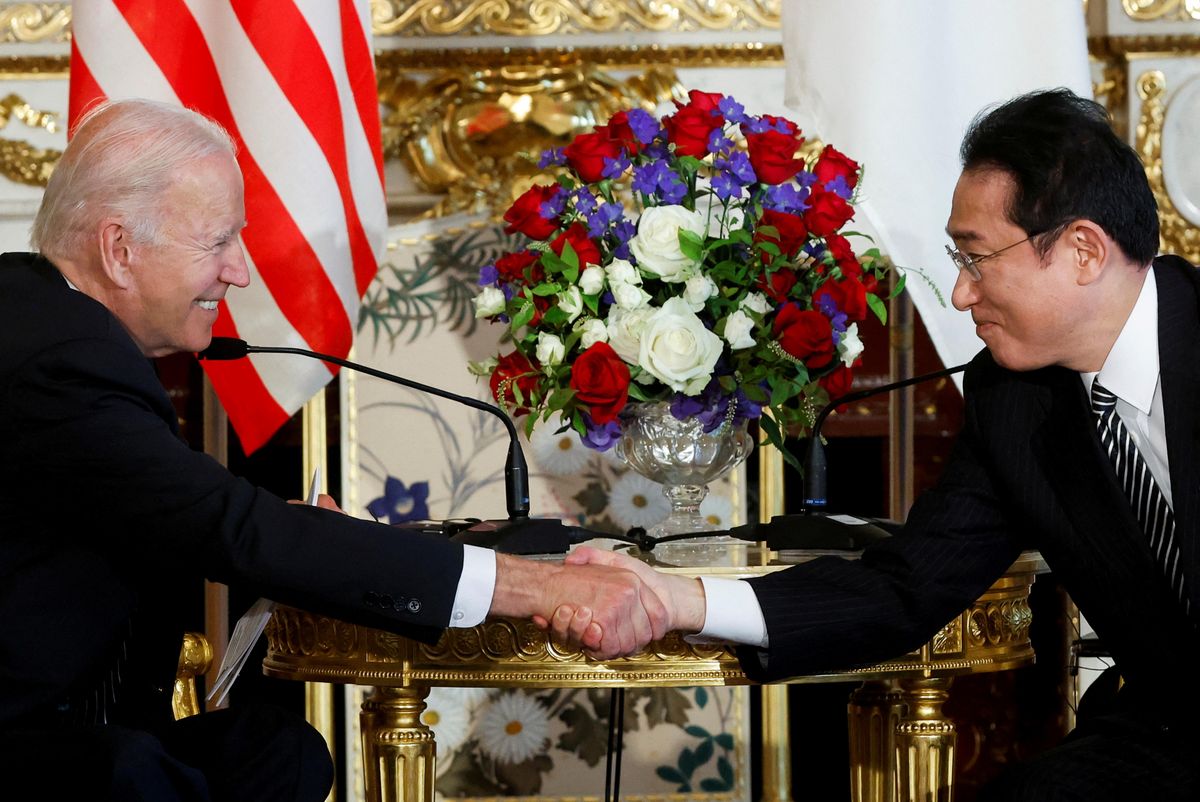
[
  {"x": 235, "y": 270},
  {"x": 966, "y": 292}
]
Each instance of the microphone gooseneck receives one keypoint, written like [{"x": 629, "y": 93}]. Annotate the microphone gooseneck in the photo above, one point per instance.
[
  {"x": 815, "y": 472},
  {"x": 516, "y": 472}
]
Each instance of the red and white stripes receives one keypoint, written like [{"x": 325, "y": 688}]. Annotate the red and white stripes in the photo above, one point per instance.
[{"x": 293, "y": 82}]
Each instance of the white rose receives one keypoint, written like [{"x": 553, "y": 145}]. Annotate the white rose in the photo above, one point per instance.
[
  {"x": 656, "y": 244},
  {"x": 697, "y": 290},
  {"x": 621, "y": 271},
  {"x": 850, "y": 347},
  {"x": 677, "y": 349},
  {"x": 625, "y": 331},
  {"x": 592, "y": 331},
  {"x": 756, "y": 302},
  {"x": 737, "y": 330},
  {"x": 550, "y": 350},
  {"x": 591, "y": 280},
  {"x": 571, "y": 302},
  {"x": 490, "y": 301},
  {"x": 629, "y": 296}
]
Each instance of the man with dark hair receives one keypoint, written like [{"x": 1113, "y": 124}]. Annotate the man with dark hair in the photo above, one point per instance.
[{"x": 1081, "y": 439}]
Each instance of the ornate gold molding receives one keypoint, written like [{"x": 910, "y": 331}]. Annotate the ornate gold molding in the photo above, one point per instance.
[
  {"x": 541, "y": 17},
  {"x": 745, "y": 54},
  {"x": 20, "y": 161},
  {"x": 1147, "y": 10},
  {"x": 35, "y": 22},
  {"x": 1176, "y": 234}
]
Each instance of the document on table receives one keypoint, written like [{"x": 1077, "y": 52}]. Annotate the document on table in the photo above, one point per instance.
[{"x": 249, "y": 629}]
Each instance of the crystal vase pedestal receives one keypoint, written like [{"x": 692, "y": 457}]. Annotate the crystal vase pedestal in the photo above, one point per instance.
[{"x": 684, "y": 459}]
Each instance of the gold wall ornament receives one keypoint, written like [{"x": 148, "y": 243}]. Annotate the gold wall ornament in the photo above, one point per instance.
[
  {"x": 35, "y": 22},
  {"x": 476, "y": 134},
  {"x": 14, "y": 105},
  {"x": 389, "y": 64},
  {"x": 1147, "y": 10},
  {"x": 1176, "y": 234},
  {"x": 541, "y": 17},
  {"x": 25, "y": 164}
]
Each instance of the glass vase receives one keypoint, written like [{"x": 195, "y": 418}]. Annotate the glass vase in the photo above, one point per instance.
[{"x": 684, "y": 459}]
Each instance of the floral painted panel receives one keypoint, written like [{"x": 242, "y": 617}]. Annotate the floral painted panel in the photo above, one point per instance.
[{"x": 409, "y": 456}]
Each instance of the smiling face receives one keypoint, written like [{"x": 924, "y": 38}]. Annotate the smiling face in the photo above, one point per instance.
[
  {"x": 175, "y": 284},
  {"x": 1027, "y": 309}
]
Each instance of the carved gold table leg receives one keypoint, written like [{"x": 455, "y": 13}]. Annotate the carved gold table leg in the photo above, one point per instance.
[
  {"x": 874, "y": 711},
  {"x": 398, "y": 749},
  {"x": 776, "y": 751},
  {"x": 925, "y": 741}
]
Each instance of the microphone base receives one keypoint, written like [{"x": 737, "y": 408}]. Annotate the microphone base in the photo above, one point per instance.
[
  {"x": 823, "y": 532},
  {"x": 525, "y": 536}
]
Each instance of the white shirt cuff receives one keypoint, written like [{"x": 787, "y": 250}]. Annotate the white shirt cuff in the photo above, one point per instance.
[
  {"x": 476, "y": 584},
  {"x": 732, "y": 613}
]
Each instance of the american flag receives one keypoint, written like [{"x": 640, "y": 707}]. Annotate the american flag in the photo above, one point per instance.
[{"x": 293, "y": 81}]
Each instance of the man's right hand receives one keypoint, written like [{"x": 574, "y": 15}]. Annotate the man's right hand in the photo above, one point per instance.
[{"x": 621, "y": 611}]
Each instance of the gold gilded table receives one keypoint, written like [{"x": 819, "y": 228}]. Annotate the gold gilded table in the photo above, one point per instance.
[{"x": 901, "y": 744}]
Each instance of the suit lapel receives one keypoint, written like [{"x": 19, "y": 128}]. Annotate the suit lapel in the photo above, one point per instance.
[{"x": 1179, "y": 369}]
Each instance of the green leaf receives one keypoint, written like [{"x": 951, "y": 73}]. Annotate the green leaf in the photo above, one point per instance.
[
  {"x": 546, "y": 289},
  {"x": 687, "y": 762},
  {"x": 725, "y": 741},
  {"x": 704, "y": 752},
  {"x": 696, "y": 731},
  {"x": 636, "y": 392},
  {"x": 702, "y": 700},
  {"x": 899, "y": 288},
  {"x": 714, "y": 786},
  {"x": 691, "y": 245},
  {"x": 878, "y": 307},
  {"x": 522, "y": 317},
  {"x": 552, "y": 263},
  {"x": 559, "y": 398},
  {"x": 554, "y": 316},
  {"x": 669, "y": 774},
  {"x": 592, "y": 302},
  {"x": 586, "y": 736},
  {"x": 724, "y": 768}
]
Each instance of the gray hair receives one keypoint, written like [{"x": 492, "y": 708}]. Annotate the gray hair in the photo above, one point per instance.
[{"x": 122, "y": 157}]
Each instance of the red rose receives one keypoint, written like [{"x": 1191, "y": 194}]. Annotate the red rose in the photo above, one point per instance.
[
  {"x": 708, "y": 102},
  {"x": 837, "y": 383},
  {"x": 618, "y": 129},
  {"x": 848, "y": 295},
  {"x": 805, "y": 334},
  {"x": 587, "y": 251},
  {"x": 525, "y": 216},
  {"x": 773, "y": 156},
  {"x": 827, "y": 212},
  {"x": 843, "y": 255},
  {"x": 870, "y": 283},
  {"x": 511, "y": 267},
  {"x": 689, "y": 129},
  {"x": 833, "y": 163},
  {"x": 777, "y": 285},
  {"x": 792, "y": 232},
  {"x": 600, "y": 379},
  {"x": 514, "y": 368},
  {"x": 586, "y": 154}
]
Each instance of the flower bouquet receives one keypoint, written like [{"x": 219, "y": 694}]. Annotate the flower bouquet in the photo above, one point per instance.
[{"x": 697, "y": 261}]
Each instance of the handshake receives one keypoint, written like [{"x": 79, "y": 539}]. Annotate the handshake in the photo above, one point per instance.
[{"x": 606, "y": 603}]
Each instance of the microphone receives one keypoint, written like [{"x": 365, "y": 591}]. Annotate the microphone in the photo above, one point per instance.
[
  {"x": 813, "y": 529},
  {"x": 519, "y": 534}
]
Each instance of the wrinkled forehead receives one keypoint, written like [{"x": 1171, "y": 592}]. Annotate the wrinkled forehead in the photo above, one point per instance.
[{"x": 982, "y": 199}]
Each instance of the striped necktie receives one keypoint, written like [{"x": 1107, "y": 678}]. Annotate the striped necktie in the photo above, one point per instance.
[{"x": 1149, "y": 505}]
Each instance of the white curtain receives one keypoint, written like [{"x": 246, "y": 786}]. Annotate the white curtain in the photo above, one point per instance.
[{"x": 894, "y": 83}]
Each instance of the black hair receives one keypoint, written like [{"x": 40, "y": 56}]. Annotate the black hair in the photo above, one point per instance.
[{"x": 1068, "y": 164}]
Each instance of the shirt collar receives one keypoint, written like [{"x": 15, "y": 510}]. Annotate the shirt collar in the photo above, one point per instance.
[{"x": 1131, "y": 370}]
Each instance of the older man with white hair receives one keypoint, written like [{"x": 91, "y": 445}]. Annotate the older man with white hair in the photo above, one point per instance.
[{"x": 106, "y": 512}]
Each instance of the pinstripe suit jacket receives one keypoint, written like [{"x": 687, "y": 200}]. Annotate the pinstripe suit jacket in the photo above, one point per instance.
[{"x": 1027, "y": 473}]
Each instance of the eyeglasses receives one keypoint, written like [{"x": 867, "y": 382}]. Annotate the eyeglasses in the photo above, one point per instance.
[{"x": 970, "y": 264}]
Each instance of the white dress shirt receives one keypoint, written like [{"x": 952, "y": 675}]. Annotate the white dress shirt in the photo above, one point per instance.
[{"x": 1130, "y": 372}]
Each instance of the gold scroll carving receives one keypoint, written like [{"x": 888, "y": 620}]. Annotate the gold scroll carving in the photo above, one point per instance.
[
  {"x": 35, "y": 22},
  {"x": 1147, "y": 10},
  {"x": 1176, "y": 234},
  {"x": 541, "y": 17},
  {"x": 20, "y": 161}
]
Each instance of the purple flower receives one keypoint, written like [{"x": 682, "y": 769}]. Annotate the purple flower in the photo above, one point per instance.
[
  {"x": 734, "y": 112},
  {"x": 615, "y": 168},
  {"x": 606, "y": 215},
  {"x": 783, "y": 127},
  {"x": 510, "y": 291},
  {"x": 708, "y": 407},
  {"x": 839, "y": 187},
  {"x": 806, "y": 179},
  {"x": 600, "y": 437},
  {"x": 786, "y": 198},
  {"x": 738, "y": 163},
  {"x": 552, "y": 157},
  {"x": 551, "y": 209},
  {"x": 488, "y": 274},
  {"x": 655, "y": 178},
  {"x": 585, "y": 201},
  {"x": 400, "y": 503},
  {"x": 623, "y": 231},
  {"x": 725, "y": 187},
  {"x": 756, "y": 125},
  {"x": 836, "y": 318},
  {"x": 643, "y": 125},
  {"x": 718, "y": 142}
]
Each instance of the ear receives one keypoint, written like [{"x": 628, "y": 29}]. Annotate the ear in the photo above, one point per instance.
[
  {"x": 116, "y": 252},
  {"x": 1090, "y": 250}
]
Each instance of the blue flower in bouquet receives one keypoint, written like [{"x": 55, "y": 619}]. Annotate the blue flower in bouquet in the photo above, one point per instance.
[{"x": 401, "y": 502}]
